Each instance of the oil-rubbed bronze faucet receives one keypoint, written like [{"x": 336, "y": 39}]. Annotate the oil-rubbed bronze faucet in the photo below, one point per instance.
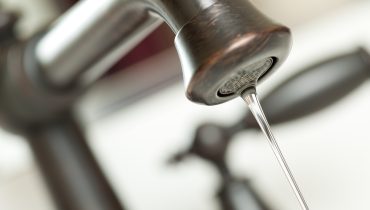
[{"x": 225, "y": 46}]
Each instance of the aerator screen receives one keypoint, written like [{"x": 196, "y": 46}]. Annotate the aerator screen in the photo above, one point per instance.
[{"x": 246, "y": 77}]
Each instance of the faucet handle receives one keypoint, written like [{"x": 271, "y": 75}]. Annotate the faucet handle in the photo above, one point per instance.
[{"x": 228, "y": 47}]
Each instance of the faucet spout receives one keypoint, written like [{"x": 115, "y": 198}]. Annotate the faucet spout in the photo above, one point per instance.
[{"x": 224, "y": 45}]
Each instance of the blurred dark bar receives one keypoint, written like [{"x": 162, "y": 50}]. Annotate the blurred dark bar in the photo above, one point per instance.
[{"x": 70, "y": 170}]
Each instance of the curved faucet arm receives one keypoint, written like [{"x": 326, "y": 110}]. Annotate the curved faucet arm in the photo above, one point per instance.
[
  {"x": 224, "y": 46},
  {"x": 93, "y": 35}
]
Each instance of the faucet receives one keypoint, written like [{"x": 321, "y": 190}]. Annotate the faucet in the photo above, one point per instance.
[{"x": 225, "y": 46}]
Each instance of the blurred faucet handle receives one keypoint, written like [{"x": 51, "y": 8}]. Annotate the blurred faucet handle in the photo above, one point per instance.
[
  {"x": 314, "y": 88},
  {"x": 210, "y": 143}
]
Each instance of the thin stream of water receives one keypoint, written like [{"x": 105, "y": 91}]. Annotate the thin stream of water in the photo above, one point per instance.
[{"x": 250, "y": 97}]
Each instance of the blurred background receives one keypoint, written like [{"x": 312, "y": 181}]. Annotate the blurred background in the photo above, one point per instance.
[{"x": 137, "y": 117}]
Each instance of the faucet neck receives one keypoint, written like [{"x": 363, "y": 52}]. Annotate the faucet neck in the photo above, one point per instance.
[
  {"x": 93, "y": 35},
  {"x": 218, "y": 41}
]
